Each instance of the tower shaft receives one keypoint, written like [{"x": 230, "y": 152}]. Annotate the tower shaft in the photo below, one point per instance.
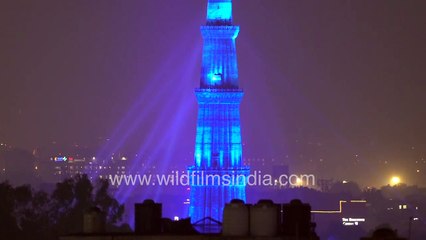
[{"x": 218, "y": 174}]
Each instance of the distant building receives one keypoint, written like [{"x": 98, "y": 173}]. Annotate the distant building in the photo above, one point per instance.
[
  {"x": 68, "y": 166},
  {"x": 62, "y": 167},
  {"x": 264, "y": 220}
]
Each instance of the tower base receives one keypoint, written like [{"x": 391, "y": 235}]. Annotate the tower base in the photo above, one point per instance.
[{"x": 211, "y": 189}]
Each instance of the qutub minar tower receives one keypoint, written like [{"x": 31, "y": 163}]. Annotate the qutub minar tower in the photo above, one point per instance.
[{"x": 218, "y": 145}]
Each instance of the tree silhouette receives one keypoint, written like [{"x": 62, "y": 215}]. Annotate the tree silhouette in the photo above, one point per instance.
[
  {"x": 108, "y": 204},
  {"x": 29, "y": 214},
  {"x": 73, "y": 197},
  {"x": 9, "y": 226}
]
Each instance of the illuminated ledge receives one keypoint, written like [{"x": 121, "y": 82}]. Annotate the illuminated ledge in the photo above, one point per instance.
[
  {"x": 226, "y": 32},
  {"x": 219, "y": 170},
  {"x": 340, "y": 207},
  {"x": 218, "y": 90},
  {"x": 219, "y": 96},
  {"x": 219, "y": 22}
]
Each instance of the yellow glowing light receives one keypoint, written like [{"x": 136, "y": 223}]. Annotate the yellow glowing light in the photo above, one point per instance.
[
  {"x": 331, "y": 211},
  {"x": 299, "y": 182},
  {"x": 395, "y": 180},
  {"x": 341, "y": 202}
]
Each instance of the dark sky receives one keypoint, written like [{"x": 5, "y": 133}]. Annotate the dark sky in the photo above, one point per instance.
[{"x": 341, "y": 82}]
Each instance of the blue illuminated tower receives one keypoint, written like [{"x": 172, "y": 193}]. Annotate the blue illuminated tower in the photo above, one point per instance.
[{"x": 218, "y": 168}]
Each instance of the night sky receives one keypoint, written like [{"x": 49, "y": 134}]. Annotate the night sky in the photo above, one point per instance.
[{"x": 336, "y": 87}]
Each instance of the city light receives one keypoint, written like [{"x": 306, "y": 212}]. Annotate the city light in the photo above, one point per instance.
[
  {"x": 395, "y": 180},
  {"x": 299, "y": 182},
  {"x": 61, "y": 159}
]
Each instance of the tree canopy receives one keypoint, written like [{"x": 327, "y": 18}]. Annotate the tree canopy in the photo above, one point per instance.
[{"x": 30, "y": 214}]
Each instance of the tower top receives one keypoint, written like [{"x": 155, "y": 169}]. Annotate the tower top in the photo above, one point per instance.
[{"x": 219, "y": 12}]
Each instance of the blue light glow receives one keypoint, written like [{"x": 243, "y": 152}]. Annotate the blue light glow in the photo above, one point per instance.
[
  {"x": 159, "y": 146},
  {"x": 219, "y": 57},
  {"x": 61, "y": 159},
  {"x": 209, "y": 198},
  {"x": 218, "y": 139},
  {"x": 219, "y": 12},
  {"x": 216, "y": 78},
  {"x": 218, "y": 145}
]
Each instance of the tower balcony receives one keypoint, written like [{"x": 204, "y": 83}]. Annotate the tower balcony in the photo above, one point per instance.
[
  {"x": 219, "y": 96},
  {"x": 221, "y": 32}
]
